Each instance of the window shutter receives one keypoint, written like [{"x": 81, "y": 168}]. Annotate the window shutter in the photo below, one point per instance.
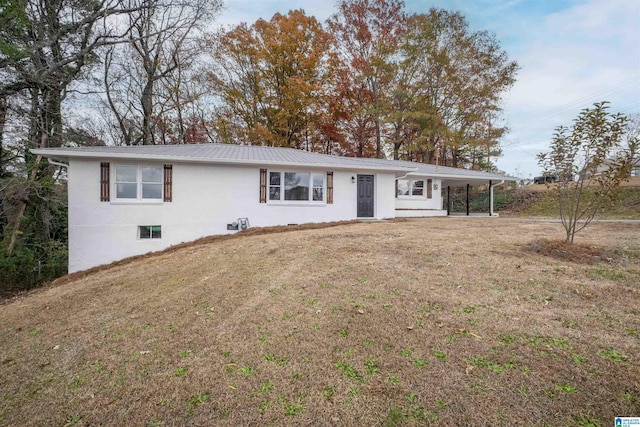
[
  {"x": 329, "y": 188},
  {"x": 396, "y": 188},
  {"x": 263, "y": 186},
  {"x": 168, "y": 183},
  {"x": 104, "y": 182},
  {"x": 429, "y": 188}
]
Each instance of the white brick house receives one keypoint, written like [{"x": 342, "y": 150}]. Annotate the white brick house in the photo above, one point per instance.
[{"x": 126, "y": 201}]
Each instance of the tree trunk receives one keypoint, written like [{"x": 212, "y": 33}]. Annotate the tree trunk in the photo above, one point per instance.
[
  {"x": 147, "y": 111},
  {"x": 22, "y": 207},
  {"x": 378, "y": 140},
  {"x": 52, "y": 119},
  {"x": 3, "y": 120},
  {"x": 46, "y": 129}
]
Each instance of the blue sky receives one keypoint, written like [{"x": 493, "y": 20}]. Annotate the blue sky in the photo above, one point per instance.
[{"x": 572, "y": 53}]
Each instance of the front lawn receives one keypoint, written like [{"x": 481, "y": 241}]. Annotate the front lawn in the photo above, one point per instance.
[{"x": 444, "y": 321}]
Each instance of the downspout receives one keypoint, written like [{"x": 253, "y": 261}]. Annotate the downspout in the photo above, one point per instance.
[{"x": 491, "y": 195}]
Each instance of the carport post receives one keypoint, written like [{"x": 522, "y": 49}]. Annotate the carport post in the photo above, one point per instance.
[
  {"x": 467, "y": 199},
  {"x": 490, "y": 198}
]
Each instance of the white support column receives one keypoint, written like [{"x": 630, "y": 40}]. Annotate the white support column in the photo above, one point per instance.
[{"x": 490, "y": 198}]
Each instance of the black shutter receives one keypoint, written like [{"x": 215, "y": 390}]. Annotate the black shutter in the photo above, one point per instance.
[
  {"x": 104, "y": 182},
  {"x": 429, "y": 188},
  {"x": 168, "y": 183},
  {"x": 263, "y": 186},
  {"x": 329, "y": 188}
]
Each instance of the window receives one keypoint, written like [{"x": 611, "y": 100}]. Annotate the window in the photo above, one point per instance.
[
  {"x": 151, "y": 182},
  {"x": 296, "y": 186},
  {"x": 417, "y": 188},
  {"x": 126, "y": 185},
  {"x": 135, "y": 182},
  {"x": 274, "y": 185},
  {"x": 150, "y": 232},
  {"x": 403, "y": 187},
  {"x": 408, "y": 188},
  {"x": 318, "y": 187}
]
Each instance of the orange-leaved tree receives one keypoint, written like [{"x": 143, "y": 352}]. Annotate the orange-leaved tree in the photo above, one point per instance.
[
  {"x": 270, "y": 78},
  {"x": 367, "y": 36}
]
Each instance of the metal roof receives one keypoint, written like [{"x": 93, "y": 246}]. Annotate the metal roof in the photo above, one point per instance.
[
  {"x": 221, "y": 153},
  {"x": 446, "y": 171},
  {"x": 268, "y": 156},
  {"x": 454, "y": 177}
]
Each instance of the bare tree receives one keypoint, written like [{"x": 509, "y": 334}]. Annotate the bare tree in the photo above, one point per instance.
[
  {"x": 50, "y": 45},
  {"x": 144, "y": 78}
]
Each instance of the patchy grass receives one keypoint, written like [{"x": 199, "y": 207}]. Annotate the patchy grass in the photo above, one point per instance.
[
  {"x": 536, "y": 200},
  {"x": 442, "y": 321}
]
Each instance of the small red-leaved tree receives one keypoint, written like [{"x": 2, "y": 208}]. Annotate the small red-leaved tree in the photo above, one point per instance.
[{"x": 593, "y": 153}]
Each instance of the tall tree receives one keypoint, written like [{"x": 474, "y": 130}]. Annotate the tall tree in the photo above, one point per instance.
[
  {"x": 46, "y": 48},
  {"x": 271, "y": 79},
  {"x": 145, "y": 79},
  {"x": 367, "y": 37},
  {"x": 457, "y": 78}
]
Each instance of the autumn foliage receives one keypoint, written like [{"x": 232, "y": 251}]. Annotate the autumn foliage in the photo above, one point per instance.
[
  {"x": 375, "y": 81},
  {"x": 270, "y": 78}
]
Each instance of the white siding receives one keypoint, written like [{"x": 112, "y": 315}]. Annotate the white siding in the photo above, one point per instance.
[
  {"x": 421, "y": 206},
  {"x": 206, "y": 197}
]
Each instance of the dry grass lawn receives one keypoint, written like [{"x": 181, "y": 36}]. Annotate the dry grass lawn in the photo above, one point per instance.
[{"x": 451, "y": 321}]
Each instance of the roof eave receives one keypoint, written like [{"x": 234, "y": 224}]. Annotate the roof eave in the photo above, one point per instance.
[{"x": 463, "y": 177}]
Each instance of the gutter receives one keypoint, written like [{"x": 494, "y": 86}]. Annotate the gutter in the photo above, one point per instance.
[{"x": 56, "y": 163}]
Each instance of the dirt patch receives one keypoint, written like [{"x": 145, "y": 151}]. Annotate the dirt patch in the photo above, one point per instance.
[{"x": 580, "y": 253}]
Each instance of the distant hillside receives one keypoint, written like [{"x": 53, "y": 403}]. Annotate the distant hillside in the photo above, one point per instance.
[
  {"x": 534, "y": 202},
  {"x": 537, "y": 200}
]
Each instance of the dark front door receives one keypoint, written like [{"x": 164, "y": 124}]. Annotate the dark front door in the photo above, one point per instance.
[{"x": 365, "y": 196}]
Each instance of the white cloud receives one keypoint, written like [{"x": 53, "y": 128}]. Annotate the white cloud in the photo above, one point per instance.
[
  {"x": 581, "y": 55},
  {"x": 249, "y": 11}
]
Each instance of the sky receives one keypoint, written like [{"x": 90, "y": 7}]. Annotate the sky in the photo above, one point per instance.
[{"x": 571, "y": 53}]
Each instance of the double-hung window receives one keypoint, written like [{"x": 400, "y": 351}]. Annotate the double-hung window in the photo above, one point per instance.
[
  {"x": 139, "y": 182},
  {"x": 296, "y": 186},
  {"x": 412, "y": 188}
]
